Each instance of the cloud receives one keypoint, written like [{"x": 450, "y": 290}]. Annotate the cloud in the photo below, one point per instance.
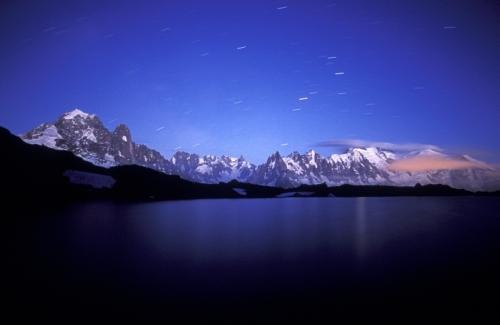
[
  {"x": 426, "y": 163},
  {"x": 284, "y": 144},
  {"x": 429, "y": 161},
  {"x": 342, "y": 143},
  {"x": 303, "y": 98},
  {"x": 160, "y": 128}
]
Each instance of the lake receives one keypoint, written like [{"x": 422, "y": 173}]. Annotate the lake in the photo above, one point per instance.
[{"x": 257, "y": 260}]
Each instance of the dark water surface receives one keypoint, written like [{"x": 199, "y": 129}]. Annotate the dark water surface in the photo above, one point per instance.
[{"x": 258, "y": 261}]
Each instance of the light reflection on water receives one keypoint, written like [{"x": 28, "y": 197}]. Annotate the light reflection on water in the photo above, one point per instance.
[
  {"x": 202, "y": 231},
  {"x": 361, "y": 228},
  {"x": 254, "y": 247}
]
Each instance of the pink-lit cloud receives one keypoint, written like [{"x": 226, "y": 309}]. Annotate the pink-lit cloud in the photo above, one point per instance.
[{"x": 427, "y": 163}]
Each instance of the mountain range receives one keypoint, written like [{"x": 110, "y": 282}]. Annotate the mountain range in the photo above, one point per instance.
[{"x": 85, "y": 135}]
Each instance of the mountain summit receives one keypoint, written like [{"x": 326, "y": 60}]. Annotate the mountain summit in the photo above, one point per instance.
[{"x": 85, "y": 135}]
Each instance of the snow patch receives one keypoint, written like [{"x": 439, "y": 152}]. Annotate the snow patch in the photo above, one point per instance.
[
  {"x": 312, "y": 160},
  {"x": 76, "y": 112},
  {"x": 109, "y": 161},
  {"x": 203, "y": 169},
  {"x": 89, "y": 134},
  {"x": 240, "y": 191},
  {"x": 46, "y": 138},
  {"x": 293, "y": 165}
]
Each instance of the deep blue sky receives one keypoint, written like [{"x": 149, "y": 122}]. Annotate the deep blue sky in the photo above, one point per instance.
[{"x": 414, "y": 71}]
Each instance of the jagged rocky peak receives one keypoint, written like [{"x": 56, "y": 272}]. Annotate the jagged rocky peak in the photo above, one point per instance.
[
  {"x": 185, "y": 164},
  {"x": 75, "y": 131},
  {"x": 123, "y": 133},
  {"x": 245, "y": 163},
  {"x": 122, "y": 145},
  {"x": 239, "y": 162},
  {"x": 313, "y": 157},
  {"x": 233, "y": 161},
  {"x": 275, "y": 157},
  {"x": 212, "y": 158},
  {"x": 85, "y": 135},
  {"x": 275, "y": 161},
  {"x": 75, "y": 114},
  {"x": 78, "y": 120},
  {"x": 228, "y": 159},
  {"x": 180, "y": 156},
  {"x": 295, "y": 155}
]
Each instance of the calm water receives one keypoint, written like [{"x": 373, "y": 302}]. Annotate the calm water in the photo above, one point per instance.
[{"x": 243, "y": 258}]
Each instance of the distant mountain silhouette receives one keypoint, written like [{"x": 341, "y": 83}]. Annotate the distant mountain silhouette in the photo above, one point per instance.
[
  {"x": 86, "y": 136},
  {"x": 35, "y": 173}
]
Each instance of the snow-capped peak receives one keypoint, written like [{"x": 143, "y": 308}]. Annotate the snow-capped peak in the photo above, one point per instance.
[
  {"x": 311, "y": 154},
  {"x": 375, "y": 156},
  {"x": 275, "y": 155},
  {"x": 76, "y": 112},
  {"x": 427, "y": 152}
]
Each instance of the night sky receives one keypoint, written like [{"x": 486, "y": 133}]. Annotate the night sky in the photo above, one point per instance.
[{"x": 253, "y": 77}]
